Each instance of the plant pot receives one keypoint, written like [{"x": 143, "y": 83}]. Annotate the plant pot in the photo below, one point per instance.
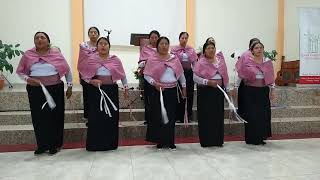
[{"x": 1, "y": 84}]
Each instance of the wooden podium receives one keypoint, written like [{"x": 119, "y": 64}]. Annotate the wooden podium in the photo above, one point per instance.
[
  {"x": 139, "y": 39},
  {"x": 289, "y": 73}
]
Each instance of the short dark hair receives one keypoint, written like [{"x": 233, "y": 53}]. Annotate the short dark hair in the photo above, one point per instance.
[
  {"x": 160, "y": 38},
  {"x": 154, "y": 32},
  {"x": 93, "y": 27},
  {"x": 45, "y": 34},
  {"x": 182, "y": 33},
  {"x": 206, "y": 45},
  {"x": 104, "y": 39}
]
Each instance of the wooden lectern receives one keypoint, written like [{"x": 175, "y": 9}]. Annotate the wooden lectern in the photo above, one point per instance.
[
  {"x": 139, "y": 39},
  {"x": 289, "y": 73}
]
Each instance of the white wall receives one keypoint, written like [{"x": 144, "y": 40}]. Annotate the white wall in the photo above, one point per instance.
[
  {"x": 291, "y": 38},
  {"x": 21, "y": 19},
  {"x": 231, "y": 22},
  {"x": 234, "y": 22},
  {"x": 127, "y": 16}
]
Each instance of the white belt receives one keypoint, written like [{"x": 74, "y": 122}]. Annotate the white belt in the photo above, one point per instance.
[
  {"x": 103, "y": 102},
  {"x": 164, "y": 111},
  {"x": 49, "y": 98}
]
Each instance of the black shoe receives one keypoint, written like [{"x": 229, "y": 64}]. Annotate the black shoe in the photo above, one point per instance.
[
  {"x": 53, "y": 151},
  {"x": 145, "y": 123},
  {"x": 159, "y": 146},
  {"x": 39, "y": 151},
  {"x": 59, "y": 148},
  {"x": 255, "y": 143},
  {"x": 251, "y": 143},
  {"x": 173, "y": 147}
]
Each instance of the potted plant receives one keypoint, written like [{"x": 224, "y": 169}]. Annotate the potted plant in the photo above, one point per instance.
[
  {"x": 138, "y": 74},
  {"x": 7, "y": 52},
  {"x": 268, "y": 54},
  {"x": 271, "y": 55}
]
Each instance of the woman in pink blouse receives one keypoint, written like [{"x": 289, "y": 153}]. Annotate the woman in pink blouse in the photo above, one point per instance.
[
  {"x": 146, "y": 52},
  {"x": 187, "y": 56},
  {"x": 102, "y": 71},
  {"x": 94, "y": 34},
  {"x": 257, "y": 74},
  {"x": 210, "y": 71},
  {"x": 163, "y": 71},
  {"x": 45, "y": 65}
]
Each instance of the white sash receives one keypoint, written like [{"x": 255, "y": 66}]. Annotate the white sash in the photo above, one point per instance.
[
  {"x": 103, "y": 102},
  {"x": 49, "y": 98},
  {"x": 231, "y": 106}
]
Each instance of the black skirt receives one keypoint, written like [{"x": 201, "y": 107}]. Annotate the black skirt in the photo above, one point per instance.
[
  {"x": 48, "y": 124},
  {"x": 157, "y": 131},
  {"x": 257, "y": 112},
  {"x": 188, "y": 73},
  {"x": 240, "y": 96},
  {"x": 103, "y": 131},
  {"x": 84, "y": 97},
  {"x": 210, "y": 111},
  {"x": 146, "y": 94}
]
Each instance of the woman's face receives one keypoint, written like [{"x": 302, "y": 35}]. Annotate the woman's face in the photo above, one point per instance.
[
  {"x": 93, "y": 35},
  {"x": 183, "y": 40},
  {"x": 163, "y": 47},
  {"x": 153, "y": 39},
  {"x": 210, "y": 51},
  {"x": 103, "y": 47},
  {"x": 41, "y": 41},
  {"x": 258, "y": 50}
]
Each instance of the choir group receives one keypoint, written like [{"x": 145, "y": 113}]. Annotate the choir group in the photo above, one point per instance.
[{"x": 169, "y": 73}]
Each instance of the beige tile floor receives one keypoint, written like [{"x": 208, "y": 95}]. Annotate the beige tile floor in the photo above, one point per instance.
[{"x": 278, "y": 160}]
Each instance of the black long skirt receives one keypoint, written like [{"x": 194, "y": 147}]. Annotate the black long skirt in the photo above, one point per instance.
[
  {"x": 240, "y": 97},
  {"x": 257, "y": 111},
  {"x": 210, "y": 111},
  {"x": 85, "y": 97},
  {"x": 146, "y": 93},
  {"x": 157, "y": 131},
  {"x": 188, "y": 73},
  {"x": 103, "y": 131},
  {"x": 48, "y": 124}
]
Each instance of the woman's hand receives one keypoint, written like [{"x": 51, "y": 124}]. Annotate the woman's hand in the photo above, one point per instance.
[
  {"x": 184, "y": 92},
  {"x": 212, "y": 83},
  {"x": 33, "y": 82},
  {"x": 69, "y": 92},
  {"x": 272, "y": 95},
  {"x": 96, "y": 82},
  {"x": 157, "y": 85}
]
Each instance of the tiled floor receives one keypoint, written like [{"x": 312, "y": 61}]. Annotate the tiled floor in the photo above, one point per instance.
[{"x": 278, "y": 160}]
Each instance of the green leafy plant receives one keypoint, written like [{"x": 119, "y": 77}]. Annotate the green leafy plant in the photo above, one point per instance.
[
  {"x": 271, "y": 55},
  {"x": 7, "y": 52},
  {"x": 138, "y": 74}
]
